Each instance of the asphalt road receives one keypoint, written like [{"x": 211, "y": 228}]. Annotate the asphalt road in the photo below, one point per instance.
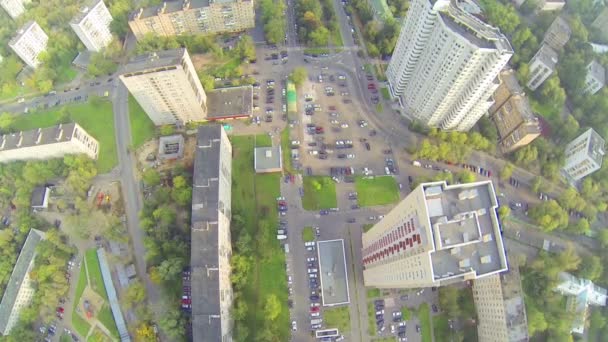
[{"x": 130, "y": 189}]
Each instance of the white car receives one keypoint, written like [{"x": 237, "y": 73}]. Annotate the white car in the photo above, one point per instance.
[
  {"x": 312, "y": 275},
  {"x": 294, "y": 326},
  {"x": 289, "y": 281},
  {"x": 310, "y": 243},
  {"x": 334, "y": 122},
  {"x": 312, "y": 305},
  {"x": 315, "y": 314},
  {"x": 311, "y": 259},
  {"x": 309, "y": 248},
  {"x": 392, "y": 328},
  {"x": 295, "y": 142},
  {"x": 312, "y": 270},
  {"x": 344, "y": 125}
]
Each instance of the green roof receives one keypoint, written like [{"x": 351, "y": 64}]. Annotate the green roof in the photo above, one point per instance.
[
  {"x": 26, "y": 257},
  {"x": 381, "y": 9}
]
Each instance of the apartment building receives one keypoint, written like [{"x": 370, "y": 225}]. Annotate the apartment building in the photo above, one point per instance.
[
  {"x": 166, "y": 86},
  {"x": 558, "y": 34},
  {"x": 92, "y": 25},
  {"x": 29, "y": 42},
  {"x": 551, "y": 5},
  {"x": 46, "y": 143},
  {"x": 581, "y": 294},
  {"x": 595, "y": 79},
  {"x": 542, "y": 65},
  {"x": 438, "y": 235},
  {"x": 14, "y": 8},
  {"x": 511, "y": 113},
  {"x": 501, "y": 312},
  {"x": 193, "y": 17},
  {"x": 583, "y": 156},
  {"x": 444, "y": 67},
  {"x": 19, "y": 291},
  {"x": 211, "y": 247}
]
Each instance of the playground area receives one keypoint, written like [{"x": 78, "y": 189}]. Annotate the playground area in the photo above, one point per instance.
[{"x": 91, "y": 317}]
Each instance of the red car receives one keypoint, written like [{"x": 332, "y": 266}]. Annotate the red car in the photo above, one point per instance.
[
  {"x": 282, "y": 203},
  {"x": 371, "y": 86},
  {"x": 314, "y": 309},
  {"x": 60, "y": 309}
]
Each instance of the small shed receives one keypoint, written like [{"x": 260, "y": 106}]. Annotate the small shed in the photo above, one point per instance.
[
  {"x": 130, "y": 270},
  {"x": 171, "y": 147},
  {"x": 40, "y": 197},
  {"x": 267, "y": 159}
]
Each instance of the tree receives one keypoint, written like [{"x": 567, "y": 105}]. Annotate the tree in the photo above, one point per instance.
[
  {"x": 549, "y": 216},
  {"x": 448, "y": 301},
  {"x": 536, "y": 184},
  {"x": 552, "y": 93},
  {"x": 602, "y": 237},
  {"x": 145, "y": 333},
  {"x": 272, "y": 307},
  {"x": 136, "y": 293},
  {"x": 488, "y": 129},
  {"x": 536, "y": 320},
  {"x": 167, "y": 129},
  {"x": 466, "y": 176},
  {"x": 182, "y": 196},
  {"x": 173, "y": 324},
  {"x": 591, "y": 267},
  {"x": 170, "y": 268},
  {"x": 504, "y": 212},
  {"x": 319, "y": 37},
  {"x": 151, "y": 177},
  {"x": 298, "y": 76},
  {"x": 207, "y": 81},
  {"x": 506, "y": 172},
  {"x": 101, "y": 64},
  {"x": 6, "y": 122},
  {"x": 245, "y": 47},
  {"x": 581, "y": 227}
]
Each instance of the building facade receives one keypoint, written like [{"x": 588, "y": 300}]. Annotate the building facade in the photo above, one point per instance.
[
  {"x": 211, "y": 250},
  {"x": 14, "y": 8},
  {"x": 581, "y": 293},
  {"x": 438, "y": 235},
  {"x": 29, "y": 42},
  {"x": 193, "y": 17},
  {"x": 542, "y": 65},
  {"x": 511, "y": 113},
  {"x": 92, "y": 26},
  {"x": 19, "y": 291},
  {"x": 444, "y": 67},
  {"x": 46, "y": 143},
  {"x": 583, "y": 155},
  {"x": 558, "y": 34},
  {"x": 595, "y": 79},
  {"x": 501, "y": 312},
  {"x": 166, "y": 86},
  {"x": 601, "y": 22}
]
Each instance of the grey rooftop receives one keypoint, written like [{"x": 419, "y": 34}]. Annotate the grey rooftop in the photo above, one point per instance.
[
  {"x": 229, "y": 102},
  {"x": 152, "y": 62},
  {"x": 37, "y": 137}
]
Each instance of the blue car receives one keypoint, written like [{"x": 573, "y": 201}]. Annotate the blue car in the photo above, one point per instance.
[{"x": 324, "y": 212}]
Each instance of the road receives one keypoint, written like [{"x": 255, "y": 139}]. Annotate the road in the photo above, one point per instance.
[{"x": 130, "y": 189}]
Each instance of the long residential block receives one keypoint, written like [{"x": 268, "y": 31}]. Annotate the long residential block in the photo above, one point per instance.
[
  {"x": 47, "y": 143},
  {"x": 444, "y": 67},
  {"x": 438, "y": 235},
  {"x": 92, "y": 25},
  {"x": 211, "y": 246},
  {"x": 166, "y": 86},
  {"x": 29, "y": 42},
  {"x": 174, "y": 18},
  {"x": 14, "y": 8}
]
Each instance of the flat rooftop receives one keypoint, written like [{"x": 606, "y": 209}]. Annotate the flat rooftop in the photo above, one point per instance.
[
  {"x": 205, "y": 284},
  {"x": 332, "y": 268},
  {"x": 267, "y": 159},
  {"x": 465, "y": 230},
  {"x": 172, "y": 7},
  {"x": 22, "y": 31},
  {"x": 153, "y": 62},
  {"x": 515, "y": 308},
  {"x": 37, "y": 137},
  {"x": 85, "y": 10},
  {"x": 230, "y": 103}
]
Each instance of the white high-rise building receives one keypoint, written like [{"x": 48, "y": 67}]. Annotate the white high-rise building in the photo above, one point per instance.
[
  {"x": 444, "y": 68},
  {"x": 166, "y": 86},
  {"x": 14, "y": 8},
  {"x": 542, "y": 66},
  {"x": 92, "y": 25},
  {"x": 581, "y": 294},
  {"x": 29, "y": 42},
  {"x": 438, "y": 235},
  {"x": 583, "y": 155},
  {"x": 595, "y": 79}
]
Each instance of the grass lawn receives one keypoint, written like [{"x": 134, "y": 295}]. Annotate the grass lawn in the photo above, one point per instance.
[
  {"x": 406, "y": 313},
  {"x": 80, "y": 325},
  {"x": 379, "y": 107},
  {"x": 371, "y": 316},
  {"x": 373, "y": 293},
  {"x": 441, "y": 329},
  {"x": 260, "y": 217},
  {"x": 380, "y": 70},
  {"x": 424, "y": 315},
  {"x": 106, "y": 318},
  {"x": 338, "y": 318},
  {"x": 367, "y": 227},
  {"x": 315, "y": 51},
  {"x": 385, "y": 94},
  {"x": 336, "y": 38},
  {"x": 142, "y": 128},
  {"x": 97, "y": 336},
  {"x": 95, "y": 117},
  {"x": 286, "y": 150},
  {"x": 82, "y": 283},
  {"x": 378, "y": 190},
  {"x": 319, "y": 193},
  {"x": 95, "y": 279},
  {"x": 263, "y": 140},
  {"x": 308, "y": 234},
  {"x": 65, "y": 338},
  {"x": 546, "y": 109}
]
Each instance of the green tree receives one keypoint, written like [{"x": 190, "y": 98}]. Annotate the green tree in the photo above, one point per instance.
[
  {"x": 151, "y": 177},
  {"x": 6, "y": 122},
  {"x": 272, "y": 307},
  {"x": 581, "y": 227},
  {"x": 504, "y": 212},
  {"x": 549, "y": 216},
  {"x": 298, "y": 76},
  {"x": 536, "y": 320},
  {"x": 207, "y": 81},
  {"x": 319, "y": 37},
  {"x": 591, "y": 267},
  {"x": 602, "y": 237},
  {"x": 506, "y": 172},
  {"x": 167, "y": 130},
  {"x": 466, "y": 176},
  {"x": 170, "y": 269},
  {"x": 552, "y": 93},
  {"x": 136, "y": 293},
  {"x": 172, "y": 324},
  {"x": 448, "y": 301},
  {"x": 245, "y": 47},
  {"x": 537, "y": 182}
]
